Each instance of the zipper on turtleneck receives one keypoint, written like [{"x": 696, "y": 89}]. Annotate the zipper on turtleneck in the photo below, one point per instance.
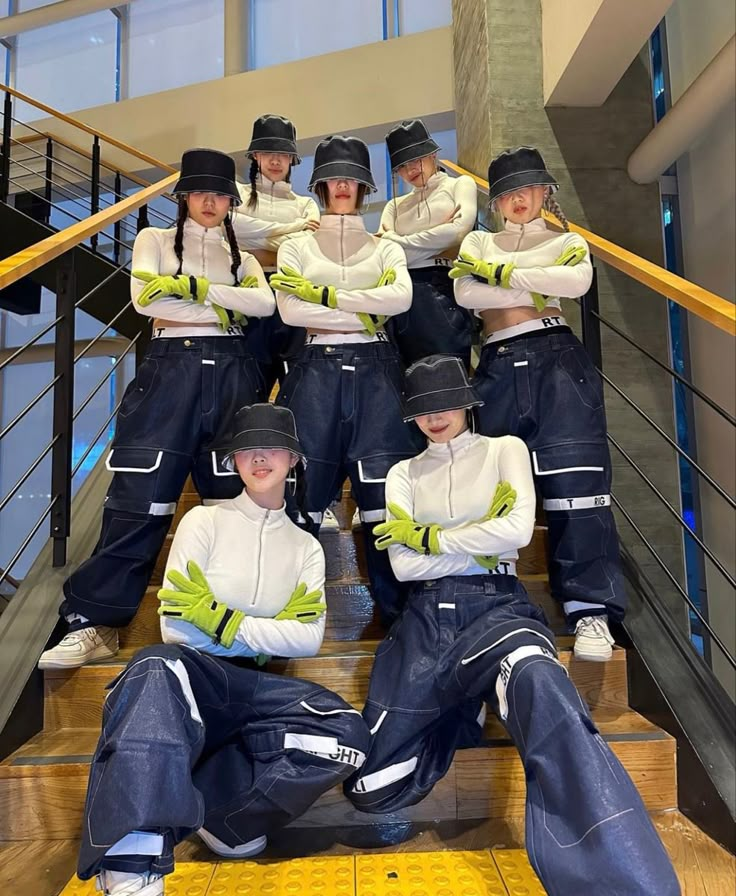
[
  {"x": 342, "y": 248},
  {"x": 258, "y": 562},
  {"x": 449, "y": 490},
  {"x": 521, "y": 237},
  {"x": 204, "y": 255}
]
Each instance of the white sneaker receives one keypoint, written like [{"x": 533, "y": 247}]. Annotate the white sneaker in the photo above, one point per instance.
[
  {"x": 357, "y": 521},
  {"x": 251, "y": 848},
  {"x": 80, "y": 647},
  {"x": 329, "y": 522},
  {"x": 123, "y": 883},
  {"x": 593, "y": 640}
]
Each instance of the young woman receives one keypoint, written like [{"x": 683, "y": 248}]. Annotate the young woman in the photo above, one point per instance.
[
  {"x": 539, "y": 384},
  {"x": 195, "y": 736},
  {"x": 340, "y": 283},
  {"x": 429, "y": 223},
  {"x": 458, "y": 514},
  {"x": 198, "y": 287},
  {"x": 270, "y": 214}
]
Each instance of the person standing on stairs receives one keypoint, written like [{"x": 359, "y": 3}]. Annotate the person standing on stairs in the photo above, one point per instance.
[
  {"x": 538, "y": 383},
  {"x": 270, "y": 214},
  {"x": 341, "y": 283},
  {"x": 457, "y": 516},
  {"x": 199, "y": 289},
  {"x": 196, "y": 736},
  {"x": 429, "y": 224}
]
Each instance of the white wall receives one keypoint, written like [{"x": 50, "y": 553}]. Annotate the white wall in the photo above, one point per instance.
[{"x": 707, "y": 184}]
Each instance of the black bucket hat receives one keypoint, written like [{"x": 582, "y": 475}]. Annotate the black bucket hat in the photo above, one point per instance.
[
  {"x": 347, "y": 157},
  {"x": 437, "y": 383},
  {"x": 207, "y": 171},
  {"x": 273, "y": 133},
  {"x": 516, "y": 168},
  {"x": 408, "y": 141},
  {"x": 262, "y": 426}
]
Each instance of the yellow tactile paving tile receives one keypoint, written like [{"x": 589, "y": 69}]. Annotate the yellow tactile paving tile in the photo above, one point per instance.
[
  {"x": 517, "y": 873},
  {"x": 425, "y": 873},
  {"x": 322, "y": 876},
  {"x": 188, "y": 879}
]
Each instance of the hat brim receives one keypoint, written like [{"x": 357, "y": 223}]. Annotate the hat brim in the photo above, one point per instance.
[
  {"x": 347, "y": 170},
  {"x": 522, "y": 179},
  {"x": 412, "y": 153},
  {"x": 274, "y": 144},
  {"x": 260, "y": 438},
  {"x": 445, "y": 400},
  {"x": 207, "y": 183}
]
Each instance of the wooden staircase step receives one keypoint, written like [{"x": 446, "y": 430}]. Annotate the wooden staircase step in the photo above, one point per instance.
[
  {"x": 43, "y": 784},
  {"x": 73, "y": 698}
]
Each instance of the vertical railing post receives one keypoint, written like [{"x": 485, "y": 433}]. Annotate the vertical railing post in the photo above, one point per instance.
[
  {"x": 48, "y": 195},
  {"x": 61, "y": 455},
  {"x": 117, "y": 231},
  {"x": 591, "y": 325},
  {"x": 142, "y": 218},
  {"x": 5, "y": 159},
  {"x": 94, "y": 200}
]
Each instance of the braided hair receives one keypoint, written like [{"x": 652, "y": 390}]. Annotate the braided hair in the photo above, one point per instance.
[
  {"x": 181, "y": 217},
  {"x": 553, "y": 206},
  {"x": 234, "y": 250},
  {"x": 252, "y": 175}
]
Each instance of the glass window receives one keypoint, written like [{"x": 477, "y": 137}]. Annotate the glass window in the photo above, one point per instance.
[
  {"x": 285, "y": 30},
  {"x": 69, "y": 65},
  {"x": 173, "y": 43},
  {"x": 19, "y": 328},
  {"x": 422, "y": 15}
]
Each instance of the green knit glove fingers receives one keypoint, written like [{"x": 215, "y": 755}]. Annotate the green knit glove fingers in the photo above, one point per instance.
[
  {"x": 487, "y": 561},
  {"x": 249, "y": 282},
  {"x": 572, "y": 256},
  {"x": 422, "y": 538},
  {"x": 303, "y": 605},
  {"x": 540, "y": 300},
  {"x": 502, "y": 503},
  {"x": 387, "y": 278},
  {"x": 372, "y": 323},
  {"x": 194, "y": 602}
]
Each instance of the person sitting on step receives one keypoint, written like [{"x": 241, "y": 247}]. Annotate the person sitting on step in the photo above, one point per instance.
[
  {"x": 457, "y": 516},
  {"x": 196, "y": 736},
  {"x": 538, "y": 383}
]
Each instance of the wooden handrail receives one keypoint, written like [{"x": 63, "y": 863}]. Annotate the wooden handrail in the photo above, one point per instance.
[
  {"x": 28, "y": 260},
  {"x": 705, "y": 304},
  {"x": 113, "y": 141}
]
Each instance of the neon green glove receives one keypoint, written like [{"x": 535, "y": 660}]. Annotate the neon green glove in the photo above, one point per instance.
[
  {"x": 422, "y": 538},
  {"x": 249, "y": 282},
  {"x": 569, "y": 258},
  {"x": 291, "y": 281},
  {"x": 372, "y": 323},
  {"x": 261, "y": 659},
  {"x": 572, "y": 256},
  {"x": 495, "y": 272},
  {"x": 193, "y": 601},
  {"x": 303, "y": 605},
  {"x": 502, "y": 503},
  {"x": 177, "y": 286}
]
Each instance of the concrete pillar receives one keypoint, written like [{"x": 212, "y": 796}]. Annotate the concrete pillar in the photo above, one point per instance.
[
  {"x": 237, "y": 28},
  {"x": 499, "y": 103}
]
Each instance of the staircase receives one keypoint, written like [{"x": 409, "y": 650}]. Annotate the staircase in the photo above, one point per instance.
[{"x": 43, "y": 784}]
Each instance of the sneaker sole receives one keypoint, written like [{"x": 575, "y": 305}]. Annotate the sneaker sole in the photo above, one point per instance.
[
  {"x": 99, "y": 653},
  {"x": 593, "y": 657},
  {"x": 253, "y": 848}
]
